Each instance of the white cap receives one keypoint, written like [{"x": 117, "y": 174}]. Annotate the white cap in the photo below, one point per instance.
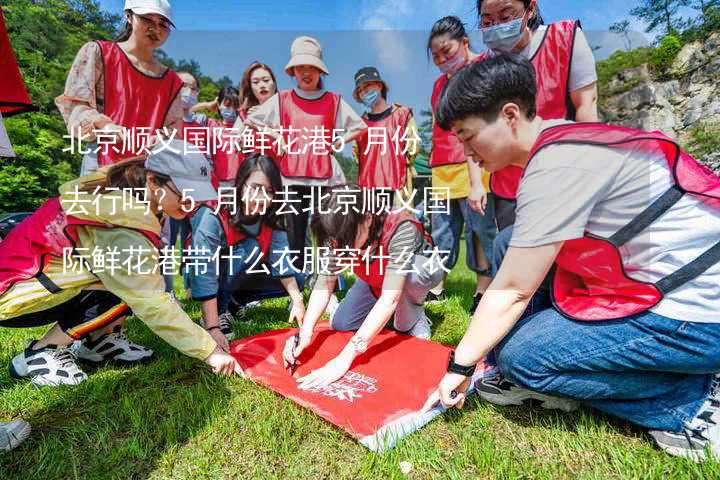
[{"x": 143, "y": 7}]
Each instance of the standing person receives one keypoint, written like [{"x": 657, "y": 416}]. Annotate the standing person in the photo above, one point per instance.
[
  {"x": 634, "y": 330},
  {"x": 567, "y": 86},
  {"x": 256, "y": 235},
  {"x": 450, "y": 48},
  {"x": 46, "y": 281},
  {"x": 117, "y": 94},
  {"x": 307, "y": 111},
  {"x": 394, "y": 274},
  {"x": 387, "y": 149}
]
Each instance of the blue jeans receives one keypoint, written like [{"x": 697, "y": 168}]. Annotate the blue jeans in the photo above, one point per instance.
[
  {"x": 651, "y": 370},
  {"x": 447, "y": 230}
]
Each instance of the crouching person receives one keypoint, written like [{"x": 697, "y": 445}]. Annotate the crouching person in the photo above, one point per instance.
[
  {"x": 89, "y": 303},
  {"x": 631, "y": 224},
  {"x": 395, "y": 270},
  {"x": 248, "y": 236}
]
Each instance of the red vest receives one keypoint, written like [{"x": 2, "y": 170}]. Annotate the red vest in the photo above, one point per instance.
[
  {"x": 446, "y": 148},
  {"x": 590, "y": 281},
  {"x": 373, "y": 273},
  {"x": 552, "y": 64},
  {"x": 46, "y": 233},
  {"x": 233, "y": 235},
  {"x": 386, "y": 169},
  {"x": 308, "y": 119},
  {"x": 133, "y": 100},
  {"x": 225, "y": 149}
]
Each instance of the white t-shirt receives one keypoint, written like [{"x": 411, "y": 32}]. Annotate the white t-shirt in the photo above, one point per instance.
[
  {"x": 567, "y": 190},
  {"x": 582, "y": 65},
  {"x": 5, "y": 146}
]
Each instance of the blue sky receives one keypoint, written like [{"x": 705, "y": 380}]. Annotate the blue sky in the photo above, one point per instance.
[{"x": 224, "y": 36}]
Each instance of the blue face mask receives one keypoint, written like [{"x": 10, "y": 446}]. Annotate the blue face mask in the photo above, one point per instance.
[
  {"x": 370, "y": 98},
  {"x": 504, "y": 37},
  {"x": 228, "y": 114}
]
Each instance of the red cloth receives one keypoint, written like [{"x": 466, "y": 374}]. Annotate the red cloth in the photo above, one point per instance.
[
  {"x": 382, "y": 393},
  {"x": 13, "y": 95}
]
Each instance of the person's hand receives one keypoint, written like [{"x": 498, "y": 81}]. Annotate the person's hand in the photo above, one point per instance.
[
  {"x": 450, "y": 392},
  {"x": 477, "y": 200},
  {"x": 297, "y": 312},
  {"x": 222, "y": 363},
  {"x": 291, "y": 351},
  {"x": 220, "y": 339},
  {"x": 331, "y": 372}
]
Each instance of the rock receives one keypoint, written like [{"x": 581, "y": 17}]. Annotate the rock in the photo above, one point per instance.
[{"x": 712, "y": 160}]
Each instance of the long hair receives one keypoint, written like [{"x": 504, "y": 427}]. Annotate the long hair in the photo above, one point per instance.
[
  {"x": 339, "y": 227},
  {"x": 254, "y": 163},
  {"x": 247, "y": 97},
  {"x": 533, "y": 23}
]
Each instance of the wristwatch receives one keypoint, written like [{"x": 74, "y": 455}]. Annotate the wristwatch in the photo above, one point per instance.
[
  {"x": 459, "y": 369},
  {"x": 359, "y": 344}
]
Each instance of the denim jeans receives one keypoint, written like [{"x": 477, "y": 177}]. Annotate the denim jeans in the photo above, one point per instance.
[
  {"x": 648, "y": 369},
  {"x": 358, "y": 302},
  {"x": 447, "y": 230}
]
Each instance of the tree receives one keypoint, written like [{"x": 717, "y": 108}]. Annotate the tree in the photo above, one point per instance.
[
  {"x": 623, "y": 28},
  {"x": 659, "y": 15}
]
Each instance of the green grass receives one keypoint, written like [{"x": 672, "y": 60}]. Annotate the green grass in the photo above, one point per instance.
[{"x": 173, "y": 419}]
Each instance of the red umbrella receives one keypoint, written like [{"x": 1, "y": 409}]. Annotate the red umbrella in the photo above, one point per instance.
[{"x": 13, "y": 95}]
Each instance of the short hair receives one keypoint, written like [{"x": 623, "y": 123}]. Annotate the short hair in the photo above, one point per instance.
[{"x": 484, "y": 87}]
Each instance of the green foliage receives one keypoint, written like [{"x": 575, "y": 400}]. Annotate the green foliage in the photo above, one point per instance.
[
  {"x": 704, "y": 139},
  {"x": 663, "y": 56}
]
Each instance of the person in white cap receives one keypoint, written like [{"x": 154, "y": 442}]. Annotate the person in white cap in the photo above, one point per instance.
[
  {"x": 107, "y": 76},
  {"x": 310, "y": 112},
  {"x": 41, "y": 284}
]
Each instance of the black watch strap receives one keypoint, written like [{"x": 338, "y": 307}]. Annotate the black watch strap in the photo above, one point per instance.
[{"x": 459, "y": 369}]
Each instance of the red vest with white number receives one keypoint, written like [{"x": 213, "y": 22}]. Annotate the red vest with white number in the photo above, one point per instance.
[
  {"x": 552, "y": 63},
  {"x": 310, "y": 142},
  {"x": 133, "y": 100},
  {"x": 373, "y": 272},
  {"x": 47, "y": 233},
  {"x": 383, "y": 164},
  {"x": 590, "y": 280},
  {"x": 446, "y": 148}
]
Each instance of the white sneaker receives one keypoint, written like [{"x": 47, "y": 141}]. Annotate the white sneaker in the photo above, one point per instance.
[
  {"x": 421, "y": 329},
  {"x": 13, "y": 434},
  {"x": 49, "y": 366},
  {"x": 499, "y": 390},
  {"x": 113, "y": 346},
  {"x": 225, "y": 323}
]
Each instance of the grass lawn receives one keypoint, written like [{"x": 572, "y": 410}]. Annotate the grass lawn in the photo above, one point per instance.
[{"x": 171, "y": 418}]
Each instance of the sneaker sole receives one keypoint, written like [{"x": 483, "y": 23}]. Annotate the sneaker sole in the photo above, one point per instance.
[{"x": 545, "y": 402}]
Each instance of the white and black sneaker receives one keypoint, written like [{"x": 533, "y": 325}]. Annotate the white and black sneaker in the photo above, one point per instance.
[
  {"x": 499, "y": 390},
  {"x": 225, "y": 323},
  {"x": 48, "y": 366},
  {"x": 114, "y": 346},
  {"x": 700, "y": 437},
  {"x": 13, "y": 434}
]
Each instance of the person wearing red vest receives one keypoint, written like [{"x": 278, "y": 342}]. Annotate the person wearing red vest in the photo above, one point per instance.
[
  {"x": 117, "y": 94},
  {"x": 395, "y": 266},
  {"x": 386, "y": 150},
  {"x": 631, "y": 226},
  {"x": 449, "y": 46},
  {"x": 87, "y": 259},
  {"x": 309, "y": 124},
  {"x": 566, "y": 84},
  {"x": 254, "y": 261}
]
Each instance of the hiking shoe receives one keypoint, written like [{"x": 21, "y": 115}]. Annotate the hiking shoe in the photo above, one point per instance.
[
  {"x": 114, "y": 346},
  {"x": 421, "y": 329},
  {"x": 225, "y": 323},
  {"x": 476, "y": 302},
  {"x": 700, "y": 437},
  {"x": 499, "y": 390},
  {"x": 13, "y": 434},
  {"x": 48, "y": 366}
]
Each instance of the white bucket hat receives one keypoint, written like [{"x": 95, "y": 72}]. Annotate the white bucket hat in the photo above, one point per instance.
[
  {"x": 143, "y": 7},
  {"x": 306, "y": 51}
]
